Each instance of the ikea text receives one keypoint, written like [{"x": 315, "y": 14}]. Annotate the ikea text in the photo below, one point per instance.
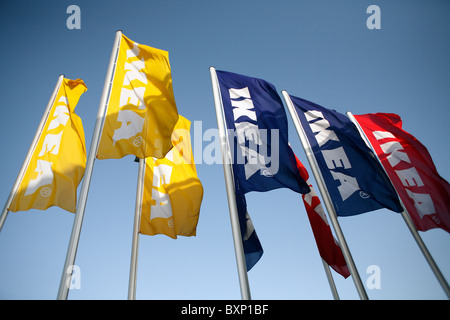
[
  {"x": 131, "y": 99},
  {"x": 254, "y": 156},
  {"x": 407, "y": 173},
  {"x": 51, "y": 145},
  {"x": 333, "y": 158}
]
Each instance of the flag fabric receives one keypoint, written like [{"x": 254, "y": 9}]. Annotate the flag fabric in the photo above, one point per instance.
[
  {"x": 253, "y": 250},
  {"x": 172, "y": 192},
  {"x": 258, "y": 136},
  {"x": 262, "y": 159},
  {"x": 354, "y": 178},
  {"x": 328, "y": 247},
  {"x": 57, "y": 163},
  {"x": 141, "y": 112},
  {"x": 424, "y": 193}
]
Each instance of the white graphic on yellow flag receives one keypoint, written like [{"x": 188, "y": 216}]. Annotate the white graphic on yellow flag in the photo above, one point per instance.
[
  {"x": 160, "y": 204},
  {"x": 131, "y": 123},
  {"x": 141, "y": 112},
  {"x": 59, "y": 157},
  {"x": 172, "y": 191}
]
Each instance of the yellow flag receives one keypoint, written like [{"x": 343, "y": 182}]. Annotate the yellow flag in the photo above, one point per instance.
[
  {"x": 141, "y": 111},
  {"x": 57, "y": 164},
  {"x": 172, "y": 192}
]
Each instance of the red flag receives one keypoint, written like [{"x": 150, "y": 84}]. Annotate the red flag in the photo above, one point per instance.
[
  {"x": 329, "y": 249},
  {"x": 424, "y": 193}
]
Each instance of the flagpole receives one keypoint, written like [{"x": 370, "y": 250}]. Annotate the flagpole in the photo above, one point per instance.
[
  {"x": 407, "y": 218},
  {"x": 137, "y": 221},
  {"x": 229, "y": 183},
  {"x": 326, "y": 197},
  {"x": 30, "y": 152},
  {"x": 334, "y": 291},
  {"x": 78, "y": 221}
]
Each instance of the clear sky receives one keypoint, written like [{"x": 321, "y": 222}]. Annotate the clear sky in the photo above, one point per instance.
[{"x": 318, "y": 50}]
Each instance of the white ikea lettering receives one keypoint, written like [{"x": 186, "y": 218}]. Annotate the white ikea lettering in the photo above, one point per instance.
[
  {"x": 382, "y": 135},
  {"x": 255, "y": 161},
  {"x": 162, "y": 207},
  {"x": 161, "y": 175},
  {"x": 45, "y": 176},
  {"x": 394, "y": 153},
  {"x": 61, "y": 115},
  {"x": 132, "y": 71},
  {"x": 319, "y": 127},
  {"x": 239, "y": 93},
  {"x": 333, "y": 158},
  {"x": 408, "y": 176},
  {"x": 51, "y": 144},
  {"x": 423, "y": 203},
  {"x": 336, "y": 158},
  {"x": 242, "y": 108},
  {"x": 308, "y": 197},
  {"x": 132, "y": 98},
  {"x": 132, "y": 123},
  {"x": 247, "y": 132},
  {"x": 349, "y": 185}
]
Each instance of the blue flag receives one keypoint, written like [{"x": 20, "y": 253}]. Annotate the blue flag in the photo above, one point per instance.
[
  {"x": 253, "y": 250},
  {"x": 262, "y": 159},
  {"x": 258, "y": 136},
  {"x": 355, "y": 179}
]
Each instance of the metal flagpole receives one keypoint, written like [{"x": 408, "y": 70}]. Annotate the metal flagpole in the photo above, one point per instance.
[
  {"x": 137, "y": 221},
  {"x": 407, "y": 218},
  {"x": 326, "y": 198},
  {"x": 76, "y": 229},
  {"x": 229, "y": 183},
  {"x": 334, "y": 291},
  {"x": 30, "y": 152}
]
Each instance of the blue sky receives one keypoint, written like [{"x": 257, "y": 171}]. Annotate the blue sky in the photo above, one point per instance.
[{"x": 318, "y": 50}]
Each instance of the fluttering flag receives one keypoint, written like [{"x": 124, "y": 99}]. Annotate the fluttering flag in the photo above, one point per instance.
[
  {"x": 172, "y": 192},
  {"x": 253, "y": 250},
  {"x": 424, "y": 193},
  {"x": 354, "y": 178},
  {"x": 57, "y": 164},
  {"x": 257, "y": 132},
  {"x": 141, "y": 111},
  {"x": 329, "y": 249},
  {"x": 262, "y": 159}
]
